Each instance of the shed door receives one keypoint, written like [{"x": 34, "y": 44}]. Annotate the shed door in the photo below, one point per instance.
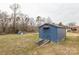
[{"x": 46, "y": 32}]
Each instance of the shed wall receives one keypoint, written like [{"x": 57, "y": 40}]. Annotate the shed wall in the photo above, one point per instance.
[
  {"x": 54, "y": 33},
  {"x": 61, "y": 33},
  {"x": 48, "y": 34}
]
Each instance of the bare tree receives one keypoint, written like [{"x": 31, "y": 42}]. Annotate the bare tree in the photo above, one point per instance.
[
  {"x": 39, "y": 20},
  {"x": 3, "y": 21},
  {"x": 72, "y": 24},
  {"x": 49, "y": 20},
  {"x": 24, "y": 21},
  {"x": 60, "y": 24},
  {"x": 14, "y": 8}
]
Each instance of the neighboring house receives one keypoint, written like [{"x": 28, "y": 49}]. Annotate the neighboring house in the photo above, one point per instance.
[{"x": 73, "y": 28}]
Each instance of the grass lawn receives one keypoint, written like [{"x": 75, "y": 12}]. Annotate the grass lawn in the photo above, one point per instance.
[
  {"x": 17, "y": 44},
  {"x": 70, "y": 46},
  {"x": 25, "y": 44}
]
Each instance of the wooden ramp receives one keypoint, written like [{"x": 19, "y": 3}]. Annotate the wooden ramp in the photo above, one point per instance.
[{"x": 43, "y": 42}]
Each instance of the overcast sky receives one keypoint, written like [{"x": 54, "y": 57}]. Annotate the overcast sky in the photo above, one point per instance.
[{"x": 58, "y": 12}]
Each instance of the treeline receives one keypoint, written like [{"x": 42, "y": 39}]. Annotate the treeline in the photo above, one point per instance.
[{"x": 16, "y": 21}]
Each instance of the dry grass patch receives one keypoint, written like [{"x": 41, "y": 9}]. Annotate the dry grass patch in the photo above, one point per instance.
[{"x": 25, "y": 44}]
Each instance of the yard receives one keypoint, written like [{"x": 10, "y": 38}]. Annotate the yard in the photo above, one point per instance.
[
  {"x": 25, "y": 44},
  {"x": 17, "y": 44}
]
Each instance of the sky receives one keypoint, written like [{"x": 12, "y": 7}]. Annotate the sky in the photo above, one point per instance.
[{"x": 58, "y": 12}]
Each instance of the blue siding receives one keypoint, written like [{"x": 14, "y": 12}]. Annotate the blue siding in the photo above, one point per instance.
[
  {"x": 44, "y": 34},
  {"x": 54, "y": 34},
  {"x": 61, "y": 33}
]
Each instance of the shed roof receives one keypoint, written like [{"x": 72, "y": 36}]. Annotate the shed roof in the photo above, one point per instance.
[{"x": 55, "y": 25}]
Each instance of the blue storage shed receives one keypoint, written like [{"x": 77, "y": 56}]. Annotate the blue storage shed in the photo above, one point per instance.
[{"x": 52, "y": 32}]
